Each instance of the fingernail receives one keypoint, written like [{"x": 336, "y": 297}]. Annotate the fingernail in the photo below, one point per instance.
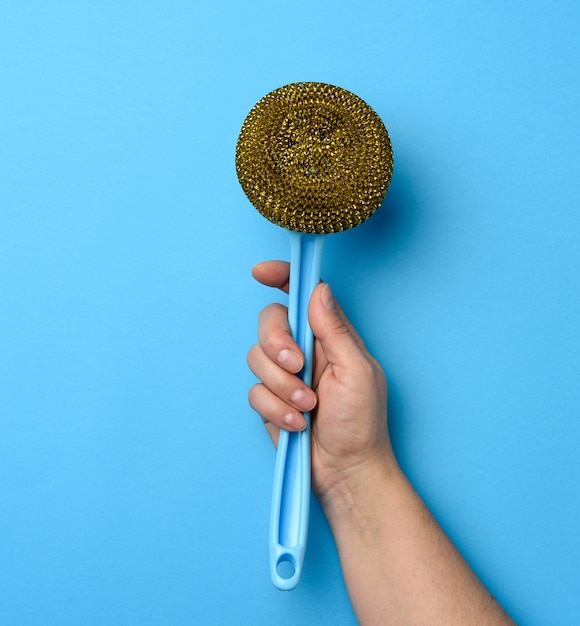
[
  {"x": 301, "y": 399},
  {"x": 295, "y": 421},
  {"x": 327, "y": 298},
  {"x": 289, "y": 360}
]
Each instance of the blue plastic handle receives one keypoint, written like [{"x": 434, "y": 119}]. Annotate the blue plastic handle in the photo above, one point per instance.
[{"x": 291, "y": 494}]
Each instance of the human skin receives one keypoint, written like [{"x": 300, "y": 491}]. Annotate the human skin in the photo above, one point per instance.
[{"x": 399, "y": 566}]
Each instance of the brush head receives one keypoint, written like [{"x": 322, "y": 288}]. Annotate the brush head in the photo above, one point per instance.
[{"x": 314, "y": 158}]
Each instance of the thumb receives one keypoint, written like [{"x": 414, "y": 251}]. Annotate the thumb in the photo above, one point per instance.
[{"x": 338, "y": 339}]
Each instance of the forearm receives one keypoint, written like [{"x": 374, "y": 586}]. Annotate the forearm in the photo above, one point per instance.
[{"x": 398, "y": 564}]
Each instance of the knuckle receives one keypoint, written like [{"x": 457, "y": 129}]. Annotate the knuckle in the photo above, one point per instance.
[
  {"x": 365, "y": 372},
  {"x": 338, "y": 327},
  {"x": 253, "y": 354},
  {"x": 252, "y": 395},
  {"x": 273, "y": 328},
  {"x": 264, "y": 403},
  {"x": 272, "y": 310},
  {"x": 367, "y": 369},
  {"x": 270, "y": 344},
  {"x": 379, "y": 373},
  {"x": 254, "y": 358},
  {"x": 257, "y": 397}
]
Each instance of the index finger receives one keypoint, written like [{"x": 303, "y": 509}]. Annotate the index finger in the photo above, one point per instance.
[{"x": 273, "y": 274}]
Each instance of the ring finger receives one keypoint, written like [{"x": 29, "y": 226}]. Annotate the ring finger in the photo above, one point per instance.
[
  {"x": 273, "y": 410},
  {"x": 287, "y": 386}
]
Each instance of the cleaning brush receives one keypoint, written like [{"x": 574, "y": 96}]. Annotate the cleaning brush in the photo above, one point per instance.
[{"x": 314, "y": 159}]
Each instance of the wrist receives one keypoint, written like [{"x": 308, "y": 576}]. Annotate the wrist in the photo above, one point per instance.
[{"x": 354, "y": 491}]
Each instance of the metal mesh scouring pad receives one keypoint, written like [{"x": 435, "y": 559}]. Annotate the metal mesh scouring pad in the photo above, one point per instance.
[{"x": 314, "y": 158}]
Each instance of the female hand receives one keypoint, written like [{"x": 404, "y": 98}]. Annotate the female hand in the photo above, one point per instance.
[
  {"x": 349, "y": 392},
  {"x": 398, "y": 564}
]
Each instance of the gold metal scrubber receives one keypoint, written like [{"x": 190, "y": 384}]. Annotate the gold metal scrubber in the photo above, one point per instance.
[{"x": 314, "y": 159}]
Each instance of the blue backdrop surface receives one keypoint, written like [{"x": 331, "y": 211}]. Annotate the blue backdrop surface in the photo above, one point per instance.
[{"x": 134, "y": 479}]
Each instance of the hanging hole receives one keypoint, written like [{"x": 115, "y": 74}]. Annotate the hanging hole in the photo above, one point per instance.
[{"x": 286, "y": 568}]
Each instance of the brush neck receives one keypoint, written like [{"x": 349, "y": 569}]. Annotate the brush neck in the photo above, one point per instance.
[{"x": 305, "y": 262}]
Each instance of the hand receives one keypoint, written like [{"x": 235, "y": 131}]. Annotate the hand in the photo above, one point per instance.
[
  {"x": 398, "y": 564},
  {"x": 349, "y": 392}
]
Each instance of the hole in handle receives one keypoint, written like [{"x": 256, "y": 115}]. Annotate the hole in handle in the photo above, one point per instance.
[{"x": 286, "y": 567}]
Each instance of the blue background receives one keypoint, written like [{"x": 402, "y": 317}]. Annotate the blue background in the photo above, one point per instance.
[{"x": 134, "y": 478}]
